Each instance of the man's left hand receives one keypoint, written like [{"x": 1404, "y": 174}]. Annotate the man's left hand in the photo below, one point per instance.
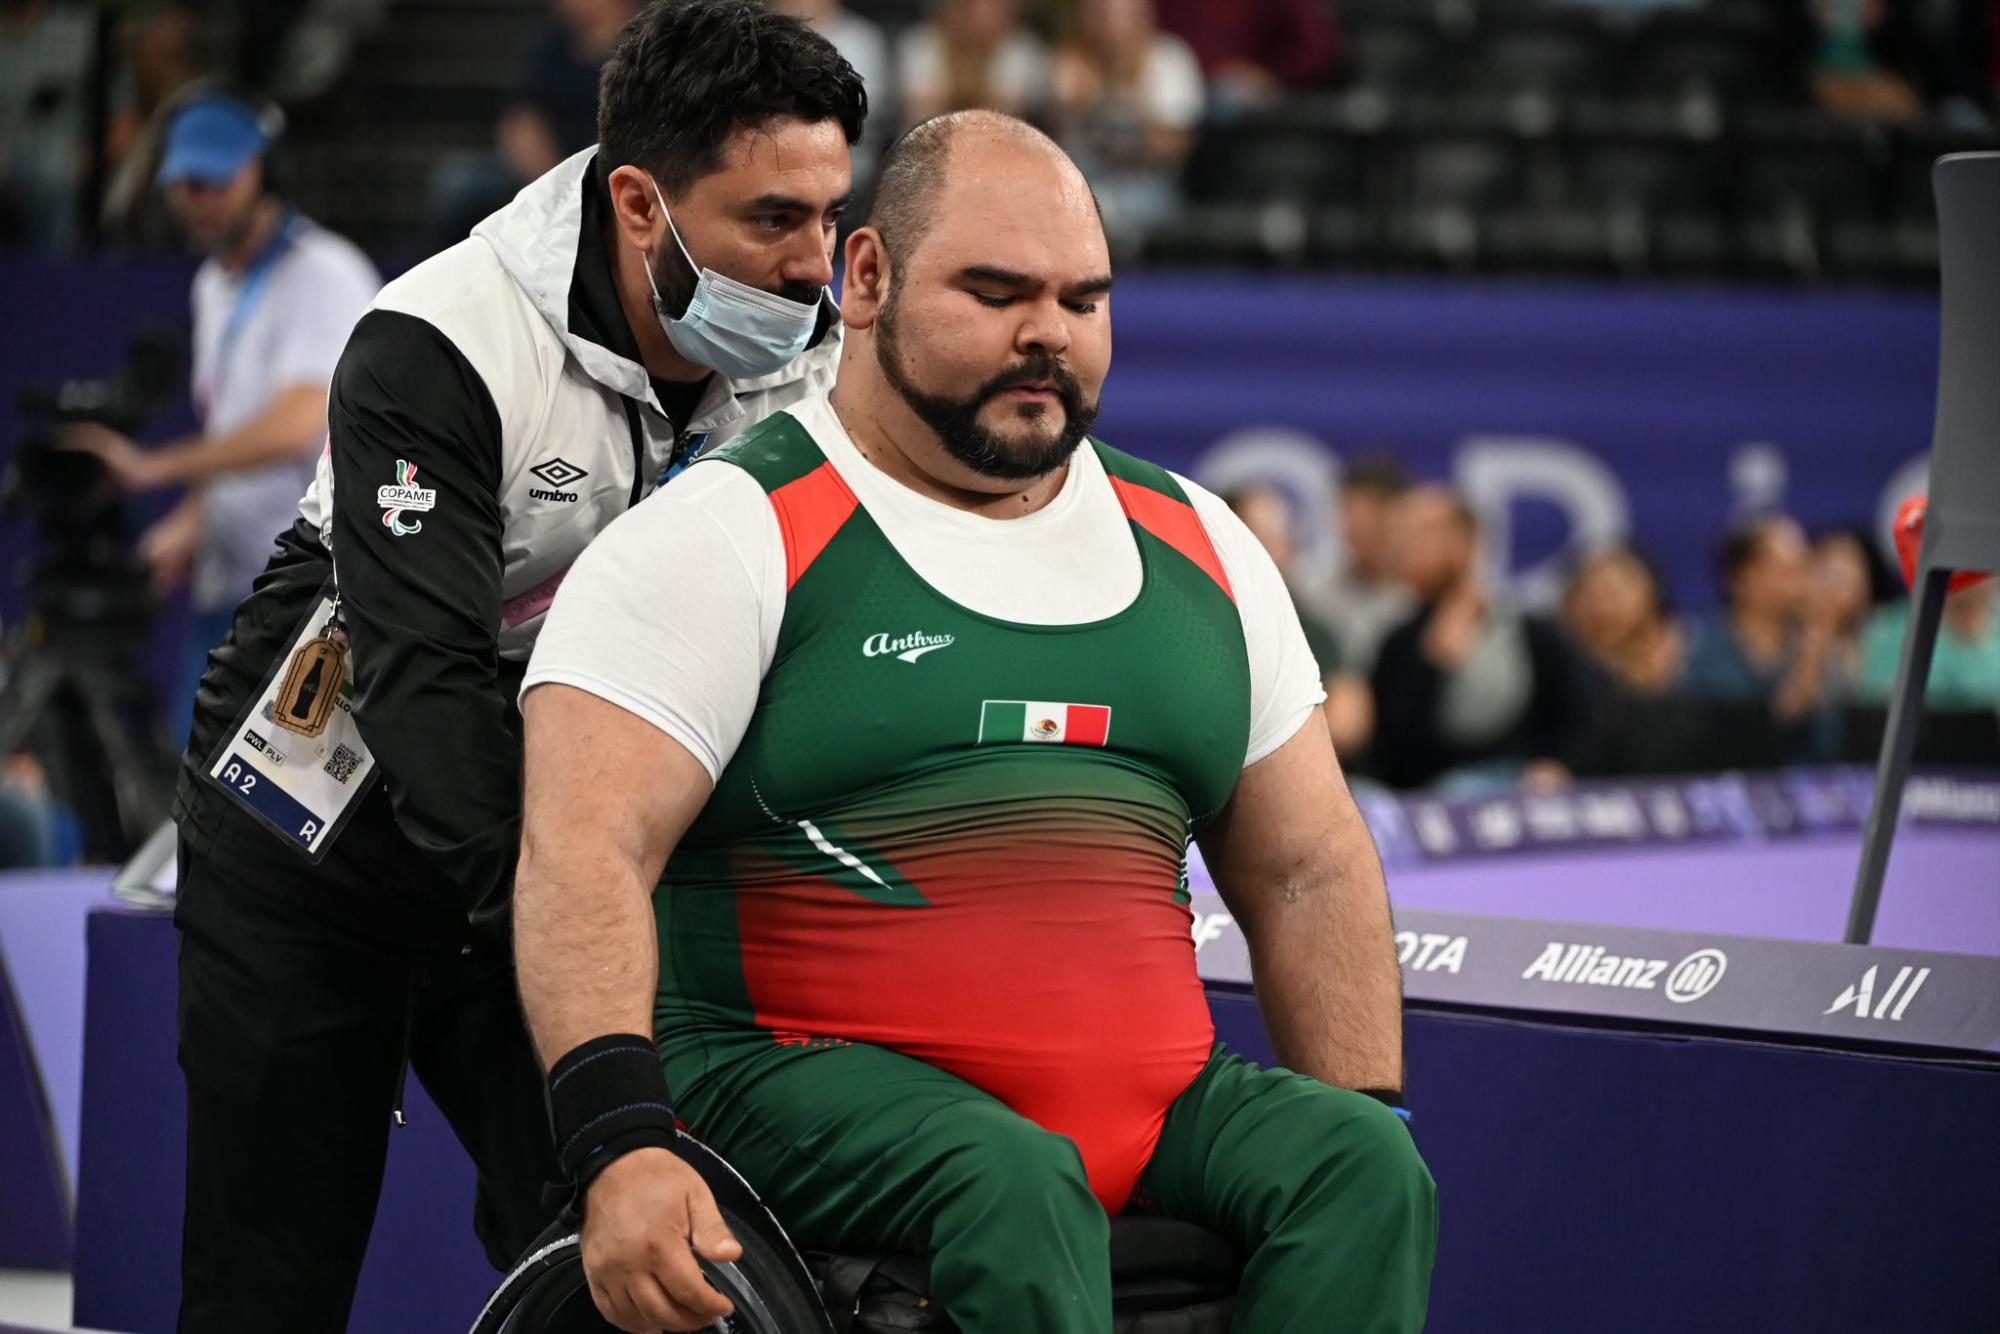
[{"x": 132, "y": 468}]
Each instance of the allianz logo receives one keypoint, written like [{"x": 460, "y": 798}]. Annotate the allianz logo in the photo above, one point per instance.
[
  {"x": 905, "y": 648},
  {"x": 1431, "y": 952},
  {"x": 1589, "y": 966}
]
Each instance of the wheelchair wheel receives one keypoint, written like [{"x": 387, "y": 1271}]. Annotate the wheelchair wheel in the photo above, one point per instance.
[
  {"x": 548, "y": 1294},
  {"x": 770, "y": 1287}
]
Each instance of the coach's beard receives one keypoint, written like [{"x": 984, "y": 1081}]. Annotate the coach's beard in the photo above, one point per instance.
[{"x": 956, "y": 421}]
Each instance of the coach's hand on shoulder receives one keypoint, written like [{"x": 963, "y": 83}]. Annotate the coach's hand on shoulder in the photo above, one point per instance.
[{"x": 644, "y": 1218}]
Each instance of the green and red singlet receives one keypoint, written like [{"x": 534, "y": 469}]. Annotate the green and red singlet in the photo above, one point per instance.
[{"x": 963, "y": 838}]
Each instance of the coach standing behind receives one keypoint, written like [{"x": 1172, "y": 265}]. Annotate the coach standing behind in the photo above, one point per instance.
[{"x": 343, "y": 906}]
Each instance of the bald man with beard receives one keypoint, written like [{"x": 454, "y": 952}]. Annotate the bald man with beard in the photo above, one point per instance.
[{"x": 858, "y": 844}]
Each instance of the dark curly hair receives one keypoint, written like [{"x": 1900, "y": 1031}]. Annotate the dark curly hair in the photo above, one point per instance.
[{"x": 687, "y": 73}]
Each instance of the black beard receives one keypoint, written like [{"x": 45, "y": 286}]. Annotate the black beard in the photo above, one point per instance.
[
  {"x": 956, "y": 421},
  {"x": 674, "y": 279},
  {"x": 673, "y": 282}
]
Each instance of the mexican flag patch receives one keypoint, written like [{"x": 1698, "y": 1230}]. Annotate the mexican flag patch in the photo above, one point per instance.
[{"x": 1007, "y": 720}]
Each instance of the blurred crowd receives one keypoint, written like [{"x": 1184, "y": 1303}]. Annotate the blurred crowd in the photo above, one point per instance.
[
  {"x": 1123, "y": 84},
  {"x": 1126, "y": 85},
  {"x": 1437, "y": 676}
]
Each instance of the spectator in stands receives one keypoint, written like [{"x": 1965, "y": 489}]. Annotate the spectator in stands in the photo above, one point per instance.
[
  {"x": 1469, "y": 690},
  {"x": 1965, "y": 662},
  {"x": 1854, "y": 580},
  {"x": 1253, "y": 50},
  {"x": 273, "y": 304},
  {"x": 160, "y": 53},
  {"x": 973, "y": 53},
  {"x": 553, "y": 114},
  {"x": 1897, "y": 61},
  {"x": 1775, "y": 641},
  {"x": 1847, "y": 77},
  {"x": 862, "y": 43},
  {"x": 27, "y": 815},
  {"x": 45, "y": 53},
  {"x": 1615, "y": 610},
  {"x": 1350, "y": 708},
  {"x": 1365, "y": 600},
  {"x": 1128, "y": 99}
]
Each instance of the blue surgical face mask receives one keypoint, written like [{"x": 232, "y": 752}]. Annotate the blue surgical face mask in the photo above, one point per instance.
[{"x": 731, "y": 327}]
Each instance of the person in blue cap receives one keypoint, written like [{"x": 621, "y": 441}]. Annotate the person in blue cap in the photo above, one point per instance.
[{"x": 274, "y": 302}]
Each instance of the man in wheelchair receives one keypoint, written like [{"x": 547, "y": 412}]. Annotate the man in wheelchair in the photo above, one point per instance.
[{"x": 861, "y": 765}]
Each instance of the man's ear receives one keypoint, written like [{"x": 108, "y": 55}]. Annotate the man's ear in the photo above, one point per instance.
[
  {"x": 864, "y": 284},
  {"x": 634, "y": 208}
]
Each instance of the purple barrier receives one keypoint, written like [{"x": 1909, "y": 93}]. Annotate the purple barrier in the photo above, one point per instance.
[
  {"x": 34, "y": 1208},
  {"x": 1743, "y": 809},
  {"x": 1944, "y": 889},
  {"x": 41, "y": 1054},
  {"x": 1590, "y": 1179},
  {"x": 424, "y": 1272}
]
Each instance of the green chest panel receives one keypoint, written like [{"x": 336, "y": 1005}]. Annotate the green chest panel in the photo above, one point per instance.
[{"x": 880, "y": 684}]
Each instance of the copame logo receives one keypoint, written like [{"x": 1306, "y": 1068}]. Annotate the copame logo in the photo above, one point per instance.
[
  {"x": 904, "y": 648},
  {"x": 404, "y": 495}
]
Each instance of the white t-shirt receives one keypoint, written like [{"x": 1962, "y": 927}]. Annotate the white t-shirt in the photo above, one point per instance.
[
  {"x": 288, "y": 331},
  {"x": 1171, "y": 87},
  {"x": 673, "y": 612},
  {"x": 1017, "y": 73}
]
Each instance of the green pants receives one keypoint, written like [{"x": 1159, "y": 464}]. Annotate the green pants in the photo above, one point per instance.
[{"x": 864, "y": 1151}]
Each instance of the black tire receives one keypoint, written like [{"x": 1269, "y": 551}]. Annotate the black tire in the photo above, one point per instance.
[{"x": 548, "y": 1293}]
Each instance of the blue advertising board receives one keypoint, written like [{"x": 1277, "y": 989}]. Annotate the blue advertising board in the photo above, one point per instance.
[{"x": 1569, "y": 414}]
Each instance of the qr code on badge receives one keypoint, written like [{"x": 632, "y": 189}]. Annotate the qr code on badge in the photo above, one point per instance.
[{"x": 342, "y": 764}]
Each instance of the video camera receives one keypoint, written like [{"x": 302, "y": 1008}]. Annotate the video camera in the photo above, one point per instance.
[{"x": 84, "y": 567}]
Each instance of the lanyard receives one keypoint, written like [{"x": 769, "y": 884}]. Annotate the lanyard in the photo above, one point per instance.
[{"x": 255, "y": 280}]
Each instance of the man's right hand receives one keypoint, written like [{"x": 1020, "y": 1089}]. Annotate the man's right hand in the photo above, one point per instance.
[
  {"x": 169, "y": 546},
  {"x": 644, "y": 1219}
]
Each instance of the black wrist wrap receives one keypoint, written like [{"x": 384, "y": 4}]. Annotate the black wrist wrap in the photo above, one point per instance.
[{"x": 607, "y": 1098}]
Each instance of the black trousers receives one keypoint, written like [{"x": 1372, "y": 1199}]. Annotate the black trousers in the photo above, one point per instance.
[{"x": 293, "y": 1039}]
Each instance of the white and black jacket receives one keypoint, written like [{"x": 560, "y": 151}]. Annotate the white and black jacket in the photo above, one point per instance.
[{"x": 502, "y": 375}]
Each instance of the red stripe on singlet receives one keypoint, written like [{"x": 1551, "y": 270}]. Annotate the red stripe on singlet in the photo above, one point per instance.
[
  {"x": 1175, "y": 523},
  {"x": 810, "y": 511}
]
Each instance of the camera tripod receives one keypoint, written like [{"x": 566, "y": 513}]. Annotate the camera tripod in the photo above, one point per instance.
[{"x": 71, "y": 694}]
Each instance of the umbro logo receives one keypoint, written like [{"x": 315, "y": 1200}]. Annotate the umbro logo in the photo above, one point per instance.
[
  {"x": 558, "y": 473},
  {"x": 906, "y": 648}
]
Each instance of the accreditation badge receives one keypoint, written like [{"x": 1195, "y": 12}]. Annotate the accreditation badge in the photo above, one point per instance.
[{"x": 295, "y": 760}]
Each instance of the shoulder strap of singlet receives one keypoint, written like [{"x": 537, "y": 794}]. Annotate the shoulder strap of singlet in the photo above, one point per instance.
[
  {"x": 807, "y": 493},
  {"x": 1154, "y": 501}
]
